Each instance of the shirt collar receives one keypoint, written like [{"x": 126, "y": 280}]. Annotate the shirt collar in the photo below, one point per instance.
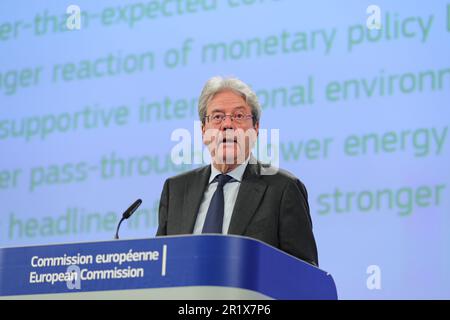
[{"x": 236, "y": 173}]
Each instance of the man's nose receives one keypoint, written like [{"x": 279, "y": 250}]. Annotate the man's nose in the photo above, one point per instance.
[{"x": 227, "y": 123}]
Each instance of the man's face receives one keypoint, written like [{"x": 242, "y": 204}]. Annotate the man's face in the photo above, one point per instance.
[{"x": 229, "y": 140}]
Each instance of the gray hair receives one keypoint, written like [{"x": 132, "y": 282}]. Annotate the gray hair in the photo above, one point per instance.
[{"x": 218, "y": 84}]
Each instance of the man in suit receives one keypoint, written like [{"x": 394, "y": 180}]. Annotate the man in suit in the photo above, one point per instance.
[{"x": 237, "y": 194}]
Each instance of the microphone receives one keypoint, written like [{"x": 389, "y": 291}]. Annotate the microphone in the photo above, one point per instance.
[{"x": 128, "y": 214}]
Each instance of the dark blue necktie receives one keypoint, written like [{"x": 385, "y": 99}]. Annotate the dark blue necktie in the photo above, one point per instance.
[{"x": 214, "y": 216}]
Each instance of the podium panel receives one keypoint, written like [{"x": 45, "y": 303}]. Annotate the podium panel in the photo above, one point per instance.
[{"x": 176, "y": 267}]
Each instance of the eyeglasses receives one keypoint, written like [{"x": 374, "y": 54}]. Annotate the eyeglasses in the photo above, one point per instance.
[{"x": 219, "y": 117}]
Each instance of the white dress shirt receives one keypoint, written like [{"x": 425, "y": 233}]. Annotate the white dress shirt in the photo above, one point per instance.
[{"x": 230, "y": 192}]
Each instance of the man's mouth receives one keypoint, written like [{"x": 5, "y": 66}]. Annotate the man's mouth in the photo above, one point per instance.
[{"x": 229, "y": 140}]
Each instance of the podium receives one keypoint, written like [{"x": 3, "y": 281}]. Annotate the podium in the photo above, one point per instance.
[{"x": 175, "y": 267}]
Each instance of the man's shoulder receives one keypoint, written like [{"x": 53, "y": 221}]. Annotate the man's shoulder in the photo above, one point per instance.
[
  {"x": 189, "y": 174},
  {"x": 283, "y": 176}
]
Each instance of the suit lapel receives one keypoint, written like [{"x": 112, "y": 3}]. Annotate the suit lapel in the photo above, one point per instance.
[
  {"x": 193, "y": 195},
  {"x": 250, "y": 194}
]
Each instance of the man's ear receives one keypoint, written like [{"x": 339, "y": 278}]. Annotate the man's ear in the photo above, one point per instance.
[
  {"x": 256, "y": 126},
  {"x": 203, "y": 128}
]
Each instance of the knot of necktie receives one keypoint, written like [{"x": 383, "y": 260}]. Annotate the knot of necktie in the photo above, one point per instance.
[{"x": 222, "y": 179}]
